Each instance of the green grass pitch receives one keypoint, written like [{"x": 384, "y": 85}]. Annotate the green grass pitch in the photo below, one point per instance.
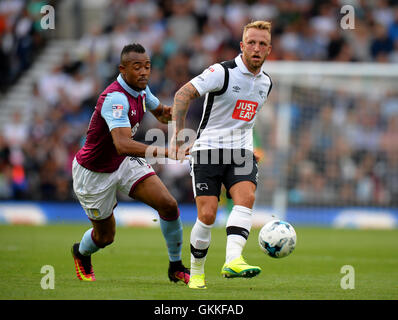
[{"x": 135, "y": 266}]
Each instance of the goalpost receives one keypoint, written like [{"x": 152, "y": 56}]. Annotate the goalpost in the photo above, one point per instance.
[{"x": 330, "y": 136}]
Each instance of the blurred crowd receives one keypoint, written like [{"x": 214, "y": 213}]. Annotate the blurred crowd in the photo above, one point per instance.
[
  {"x": 21, "y": 37},
  {"x": 343, "y": 146},
  {"x": 343, "y": 149}
]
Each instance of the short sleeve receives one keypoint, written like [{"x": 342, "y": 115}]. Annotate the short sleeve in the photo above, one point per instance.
[
  {"x": 115, "y": 110},
  {"x": 151, "y": 101},
  {"x": 210, "y": 80}
]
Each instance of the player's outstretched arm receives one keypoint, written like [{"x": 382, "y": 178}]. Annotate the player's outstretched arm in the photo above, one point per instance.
[
  {"x": 162, "y": 113},
  {"x": 182, "y": 99},
  {"x": 125, "y": 146}
]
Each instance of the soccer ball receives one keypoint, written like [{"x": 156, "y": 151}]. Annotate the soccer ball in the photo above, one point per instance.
[{"x": 277, "y": 238}]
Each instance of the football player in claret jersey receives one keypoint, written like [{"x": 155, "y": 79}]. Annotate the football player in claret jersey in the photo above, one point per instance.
[
  {"x": 111, "y": 160},
  {"x": 222, "y": 153}
]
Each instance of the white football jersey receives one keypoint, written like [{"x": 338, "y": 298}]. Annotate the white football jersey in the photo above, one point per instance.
[{"x": 233, "y": 97}]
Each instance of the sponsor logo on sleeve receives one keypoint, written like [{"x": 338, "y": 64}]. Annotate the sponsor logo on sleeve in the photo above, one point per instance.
[{"x": 117, "y": 110}]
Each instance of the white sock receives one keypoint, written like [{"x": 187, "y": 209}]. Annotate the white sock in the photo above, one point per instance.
[
  {"x": 238, "y": 228},
  {"x": 200, "y": 242}
]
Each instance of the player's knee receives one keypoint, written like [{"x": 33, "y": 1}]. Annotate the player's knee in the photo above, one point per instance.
[
  {"x": 207, "y": 210},
  {"x": 169, "y": 208},
  {"x": 207, "y": 216},
  {"x": 246, "y": 201},
  {"x": 250, "y": 199},
  {"x": 104, "y": 240},
  {"x": 107, "y": 241}
]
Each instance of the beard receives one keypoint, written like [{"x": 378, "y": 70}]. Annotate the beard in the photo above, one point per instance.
[{"x": 254, "y": 65}]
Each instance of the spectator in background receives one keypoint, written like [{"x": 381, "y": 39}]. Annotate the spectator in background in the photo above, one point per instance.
[
  {"x": 37, "y": 104},
  {"x": 323, "y": 130},
  {"x": 382, "y": 13},
  {"x": 393, "y": 56},
  {"x": 370, "y": 129},
  {"x": 50, "y": 85},
  {"x": 20, "y": 37},
  {"x": 393, "y": 26},
  {"x": 391, "y": 177},
  {"x": 325, "y": 21},
  {"x": 359, "y": 41},
  {"x": 5, "y": 170},
  {"x": 15, "y": 132},
  {"x": 312, "y": 46},
  {"x": 389, "y": 138},
  {"x": 381, "y": 45},
  {"x": 182, "y": 23}
]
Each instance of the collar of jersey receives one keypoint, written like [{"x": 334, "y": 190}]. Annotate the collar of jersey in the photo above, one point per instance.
[
  {"x": 126, "y": 87},
  {"x": 242, "y": 67}
]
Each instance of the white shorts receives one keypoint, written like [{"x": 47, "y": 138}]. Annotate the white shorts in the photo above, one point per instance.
[{"x": 96, "y": 191}]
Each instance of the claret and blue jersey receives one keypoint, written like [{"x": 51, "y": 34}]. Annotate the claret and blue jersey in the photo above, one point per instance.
[{"x": 118, "y": 106}]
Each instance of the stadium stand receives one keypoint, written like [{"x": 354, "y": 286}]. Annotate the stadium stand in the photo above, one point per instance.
[{"x": 44, "y": 120}]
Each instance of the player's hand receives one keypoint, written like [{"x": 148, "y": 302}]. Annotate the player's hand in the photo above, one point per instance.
[
  {"x": 165, "y": 116},
  {"x": 172, "y": 154},
  {"x": 183, "y": 153},
  {"x": 177, "y": 150},
  {"x": 167, "y": 111},
  {"x": 258, "y": 154},
  {"x": 156, "y": 152}
]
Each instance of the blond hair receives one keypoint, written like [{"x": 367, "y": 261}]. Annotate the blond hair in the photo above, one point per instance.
[{"x": 261, "y": 25}]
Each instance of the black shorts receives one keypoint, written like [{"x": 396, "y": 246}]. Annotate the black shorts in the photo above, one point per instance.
[{"x": 211, "y": 168}]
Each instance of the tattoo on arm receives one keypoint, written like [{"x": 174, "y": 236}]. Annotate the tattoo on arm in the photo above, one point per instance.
[{"x": 181, "y": 104}]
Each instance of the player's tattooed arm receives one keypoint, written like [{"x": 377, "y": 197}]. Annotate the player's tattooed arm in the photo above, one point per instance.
[{"x": 182, "y": 100}]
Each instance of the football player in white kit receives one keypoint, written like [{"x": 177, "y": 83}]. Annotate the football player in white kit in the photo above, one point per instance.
[{"x": 222, "y": 153}]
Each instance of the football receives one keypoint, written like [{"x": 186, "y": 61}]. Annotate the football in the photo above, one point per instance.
[{"x": 277, "y": 238}]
